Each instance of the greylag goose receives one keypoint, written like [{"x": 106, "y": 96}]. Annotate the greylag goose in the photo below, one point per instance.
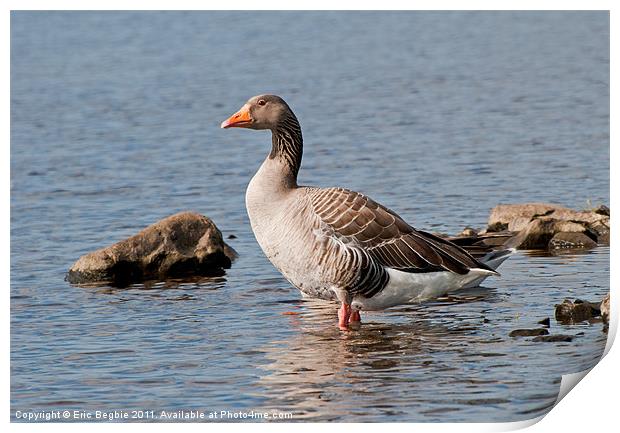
[{"x": 333, "y": 243}]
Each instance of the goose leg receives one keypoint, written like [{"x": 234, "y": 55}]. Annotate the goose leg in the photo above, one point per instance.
[
  {"x": 355, "y": 317},
  {"x": 344, "y": 314}
]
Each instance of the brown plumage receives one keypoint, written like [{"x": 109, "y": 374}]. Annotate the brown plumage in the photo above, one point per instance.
[{"x": 361, "y": 223}]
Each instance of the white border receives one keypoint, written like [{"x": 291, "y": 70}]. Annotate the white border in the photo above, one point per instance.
[{"x": 590, "y": 408}]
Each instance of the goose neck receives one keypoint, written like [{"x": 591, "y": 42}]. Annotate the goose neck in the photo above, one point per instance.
[{"x": 287, "y": 148}]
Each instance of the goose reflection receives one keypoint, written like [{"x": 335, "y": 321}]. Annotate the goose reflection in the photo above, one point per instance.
[{"x": 385, "y": 364}]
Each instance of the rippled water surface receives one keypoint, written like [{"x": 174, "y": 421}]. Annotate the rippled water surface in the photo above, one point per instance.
[{"x": 440, "y": 116}]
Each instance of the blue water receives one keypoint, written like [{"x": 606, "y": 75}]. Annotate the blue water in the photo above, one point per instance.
[{"x": 440, "y": 116}]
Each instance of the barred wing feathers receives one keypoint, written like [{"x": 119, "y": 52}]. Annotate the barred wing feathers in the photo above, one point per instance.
[{"x": 367, "y": 227}]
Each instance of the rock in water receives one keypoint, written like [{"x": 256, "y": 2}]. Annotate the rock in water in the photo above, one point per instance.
[
  {"x": 536, "y": 225},
  {"x": 515, "y": 217},
  {"x": 183, "y": 244},
  {"x": 553, "y": 338},
  {"x": 539, "y": 232},
  {"x": 572, "y": 240},
  {"x": 535, "y": 235},
  {"x": 601, "y": 230},
  {"x": 568, "y": 312},
  {"x": 528, "y": 332}
]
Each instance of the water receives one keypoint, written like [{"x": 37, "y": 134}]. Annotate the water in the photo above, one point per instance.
[{"x": 440, "y": 116}]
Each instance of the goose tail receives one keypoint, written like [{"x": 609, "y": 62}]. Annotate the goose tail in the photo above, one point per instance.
[{"x": 492, "y": 259}]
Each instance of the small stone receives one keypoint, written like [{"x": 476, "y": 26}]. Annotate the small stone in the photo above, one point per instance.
[
  {"x": 568, "y": 312},
  {"x": 601, "y": 210},
  {"x": 565, "y": 240},
  {"x": 545, "y": 322},
  {"x": 528, "y": 332},
  {"x": 231, "y": 236},
  {"x": 468, "y": 231},
  {"x": 553, "y": 338}
]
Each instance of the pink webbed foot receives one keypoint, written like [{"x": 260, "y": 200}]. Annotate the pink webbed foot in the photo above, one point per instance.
[
  {"x": 347, "y": 317},
  {"x": 355, "y": 319},
  {"x": 344, "y": 315}
]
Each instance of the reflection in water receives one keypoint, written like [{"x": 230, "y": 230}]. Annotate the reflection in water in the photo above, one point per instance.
[
  {"x": 321, "y": 373},
  {"x": 189, "y": 283}
]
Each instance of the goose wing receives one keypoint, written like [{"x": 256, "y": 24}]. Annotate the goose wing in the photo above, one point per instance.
[{"x": 371, "y": 229}]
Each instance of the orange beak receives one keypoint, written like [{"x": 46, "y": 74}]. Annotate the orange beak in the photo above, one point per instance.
[{"x": 241, "y": 119}]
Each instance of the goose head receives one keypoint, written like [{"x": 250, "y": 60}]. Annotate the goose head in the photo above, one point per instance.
[{"x": 260, "y": 112}]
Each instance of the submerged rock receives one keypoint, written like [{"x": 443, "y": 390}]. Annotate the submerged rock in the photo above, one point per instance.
[
  {"x": 183, "y": 244},
  {"x": 573, "y": 312},
  {"x": 528, "y": 332}
]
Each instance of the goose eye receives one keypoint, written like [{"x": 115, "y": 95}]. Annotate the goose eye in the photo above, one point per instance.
[{"x": 261, "y": 102}]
